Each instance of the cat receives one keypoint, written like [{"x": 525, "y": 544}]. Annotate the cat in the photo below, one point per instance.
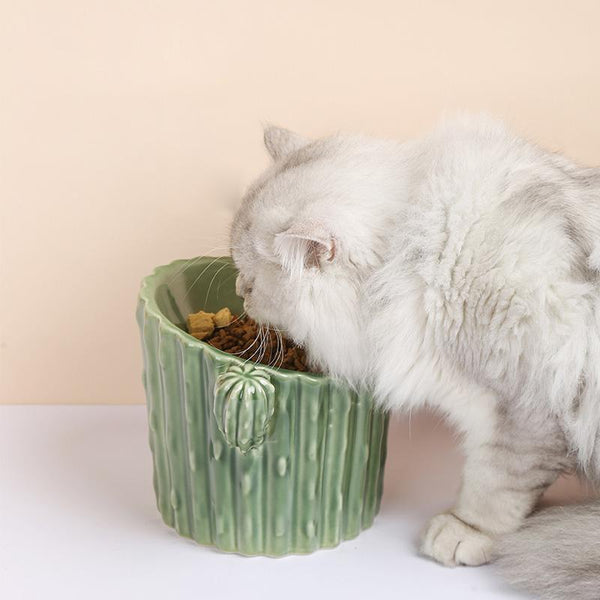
[{"x": 459, "y": 271}]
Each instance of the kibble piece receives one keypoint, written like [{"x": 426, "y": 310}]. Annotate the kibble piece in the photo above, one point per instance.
[
  {"x": 201, "y": 324},
  {"x": 223, "y": 317}
]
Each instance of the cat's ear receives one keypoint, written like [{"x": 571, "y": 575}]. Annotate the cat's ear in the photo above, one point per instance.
[
  {"x": 280, "y": 142},
  {"x": 304, "y": 245}
]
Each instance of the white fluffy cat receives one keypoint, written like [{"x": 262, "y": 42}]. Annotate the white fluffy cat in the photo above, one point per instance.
[{"x": 459, "y": 271}]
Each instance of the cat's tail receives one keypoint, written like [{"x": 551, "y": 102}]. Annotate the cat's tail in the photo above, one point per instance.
[{"x": 556, "y": 554}]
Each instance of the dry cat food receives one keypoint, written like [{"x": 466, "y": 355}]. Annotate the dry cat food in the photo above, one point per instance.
[{"x": 240, "y": 336}]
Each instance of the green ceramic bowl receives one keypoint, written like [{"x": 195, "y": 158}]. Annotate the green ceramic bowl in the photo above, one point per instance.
[{"x": 247, "y": 458}]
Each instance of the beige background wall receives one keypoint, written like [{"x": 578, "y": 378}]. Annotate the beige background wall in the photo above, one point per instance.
[{"x": 126, "y": 127}]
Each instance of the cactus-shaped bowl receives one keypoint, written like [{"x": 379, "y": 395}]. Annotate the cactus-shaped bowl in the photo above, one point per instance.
[{"x": 249, "y": 458}]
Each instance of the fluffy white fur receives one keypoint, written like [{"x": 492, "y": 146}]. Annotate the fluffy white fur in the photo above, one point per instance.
[{"x": 458, "y": 271}]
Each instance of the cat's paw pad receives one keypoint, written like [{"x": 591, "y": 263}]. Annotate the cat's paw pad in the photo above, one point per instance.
[{"x": 452, "y": 542}]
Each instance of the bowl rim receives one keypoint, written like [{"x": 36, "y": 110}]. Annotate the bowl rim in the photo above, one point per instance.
[{"x": 147, "y": 297}]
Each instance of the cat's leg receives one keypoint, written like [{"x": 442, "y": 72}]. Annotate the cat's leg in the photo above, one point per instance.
[{"x": 503, "y": 478}]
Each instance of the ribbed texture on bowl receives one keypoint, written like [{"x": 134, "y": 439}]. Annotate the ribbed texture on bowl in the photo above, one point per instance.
[{"x": 314, "y": 481}]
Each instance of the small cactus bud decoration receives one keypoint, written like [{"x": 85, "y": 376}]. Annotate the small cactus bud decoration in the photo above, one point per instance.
[{"x": 244, "y": 405}]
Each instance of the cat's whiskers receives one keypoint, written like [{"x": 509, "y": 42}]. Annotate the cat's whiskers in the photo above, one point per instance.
[
  {"x": 192, "y": 261},
  {"x": 259, "y": 336},
  {"x": 199, "y": 276},
  {"x": 225, "y": 280},
  {"x": 188, "y": 263},
  {"x": 280, "y": 346},
  {"x": 255, "y": 341},
  {"x": 273, "y": 358},
  {"x": 256, "y": 338},
  {"x": 282, "y": 355},
  {"x": 279, "y": 353},
  {"x": 212, "y": 281},
  {"x": 232, "y": 321},
  {"x": 264, "y": 345},
  {"x": 270, "y": 335}
]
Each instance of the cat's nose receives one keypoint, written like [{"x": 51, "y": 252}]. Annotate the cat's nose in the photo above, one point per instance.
[{"x": 241, "y": 287}]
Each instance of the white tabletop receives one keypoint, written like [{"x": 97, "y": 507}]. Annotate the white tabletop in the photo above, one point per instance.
[{"x": 78, "y": 521}]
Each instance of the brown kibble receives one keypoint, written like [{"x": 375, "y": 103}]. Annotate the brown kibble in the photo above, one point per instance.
[{"x": 239, "y": 337}]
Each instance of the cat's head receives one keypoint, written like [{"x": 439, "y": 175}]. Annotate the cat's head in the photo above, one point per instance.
[{"x": 306, "y": 236}]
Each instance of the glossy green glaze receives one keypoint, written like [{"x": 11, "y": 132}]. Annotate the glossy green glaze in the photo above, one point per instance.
[
  {"x": 244, "y": 405},
  {"x": 249, "y": 458}
]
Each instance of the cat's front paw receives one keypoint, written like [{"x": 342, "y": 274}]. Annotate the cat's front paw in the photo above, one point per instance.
[{"x": 452, "y": 542}]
